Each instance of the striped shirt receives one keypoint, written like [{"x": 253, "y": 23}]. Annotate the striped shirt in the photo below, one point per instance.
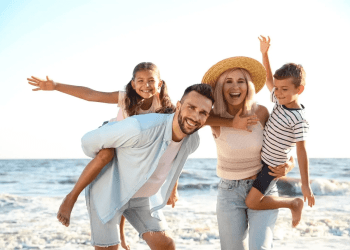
[{"x": 284, "y": 128}]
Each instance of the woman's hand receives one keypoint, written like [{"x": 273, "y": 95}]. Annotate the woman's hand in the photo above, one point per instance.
[
  {"x": 282, "y": 170},
  {"x": 42, "y": 84},
  {"x": 264, "y": 44}
]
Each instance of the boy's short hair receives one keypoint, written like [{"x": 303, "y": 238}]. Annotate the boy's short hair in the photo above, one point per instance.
[{"x": 291, "y": 70}]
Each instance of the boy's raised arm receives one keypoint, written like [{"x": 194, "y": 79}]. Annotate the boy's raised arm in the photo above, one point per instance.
[
  {"x": 77, "y": 91},
  {"x": 264, "y": 48}
]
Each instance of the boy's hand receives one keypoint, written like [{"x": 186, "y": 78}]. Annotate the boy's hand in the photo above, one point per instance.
[
  {"x": 264, "y": 44},
  {"x": 307, "y": 193},
  {"x": 42, "y": 84},
  {"x": 244, "y": 122}
]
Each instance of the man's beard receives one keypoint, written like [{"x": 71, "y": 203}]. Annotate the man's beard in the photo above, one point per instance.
[{"x": 181, "y": 122}]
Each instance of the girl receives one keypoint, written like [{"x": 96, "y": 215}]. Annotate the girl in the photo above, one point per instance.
[{"x": 145, "y": 93}]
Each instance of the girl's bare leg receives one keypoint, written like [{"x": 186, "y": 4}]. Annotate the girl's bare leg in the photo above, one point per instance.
[
  {"x": 122, "y": 234},
  {"x": 257, "y": 201},
  {"x": 87, "y": 176}
]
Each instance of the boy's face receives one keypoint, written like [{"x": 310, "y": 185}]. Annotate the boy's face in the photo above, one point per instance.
[{"x": 286, "y": 92}]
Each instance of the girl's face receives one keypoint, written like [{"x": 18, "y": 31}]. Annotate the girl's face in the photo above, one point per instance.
[
  {"x": 235, "y": 88},
  {"x": 146, "y": 83}
]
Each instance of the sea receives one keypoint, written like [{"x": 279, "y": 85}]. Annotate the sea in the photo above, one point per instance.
[{"x": 31, "y": 192}]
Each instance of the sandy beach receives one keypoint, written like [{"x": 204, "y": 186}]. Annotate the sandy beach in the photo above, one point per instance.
[
  {"x": 35, "y": 189},
  {"x": 30, "y": 223}
]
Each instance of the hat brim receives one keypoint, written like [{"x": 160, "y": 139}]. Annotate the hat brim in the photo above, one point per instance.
[{"x": 254, "y": 67}]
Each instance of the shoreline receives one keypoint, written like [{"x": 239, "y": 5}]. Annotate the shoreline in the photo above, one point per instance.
[{"x": 30, "y": 223}]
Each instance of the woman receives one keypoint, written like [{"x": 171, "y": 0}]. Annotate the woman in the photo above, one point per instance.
[{"x": 235, "y": 81}]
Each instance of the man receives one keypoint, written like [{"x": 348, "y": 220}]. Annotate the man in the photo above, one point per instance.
[{"x": 151, "y": 151}]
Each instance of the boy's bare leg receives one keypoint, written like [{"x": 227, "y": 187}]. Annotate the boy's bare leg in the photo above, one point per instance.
[
  {"x": 87, "y": 176},
  {"x": 257, "y": 201}
]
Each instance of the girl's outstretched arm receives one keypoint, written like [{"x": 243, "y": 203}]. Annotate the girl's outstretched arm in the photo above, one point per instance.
[
  {"x": 264, "y": 48},
  {"x": 77, "y": 91}
]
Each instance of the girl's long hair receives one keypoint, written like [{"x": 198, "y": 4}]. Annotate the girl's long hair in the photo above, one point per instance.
[
  {"x": 133, "y": 100},
  {"x": 220, "y": 106}
]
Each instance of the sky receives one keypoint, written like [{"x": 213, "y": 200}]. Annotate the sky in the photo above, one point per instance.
[{"x": 97, "y": 44}]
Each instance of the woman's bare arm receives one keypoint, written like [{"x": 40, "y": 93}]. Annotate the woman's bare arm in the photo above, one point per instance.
[{"x": 263, "y": 114}]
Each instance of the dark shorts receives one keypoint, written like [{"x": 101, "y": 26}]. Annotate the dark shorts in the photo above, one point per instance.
[{"x": 263, "y": 180}]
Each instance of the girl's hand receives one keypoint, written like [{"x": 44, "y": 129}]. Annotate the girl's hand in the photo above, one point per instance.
[
  {"x": 42, "y": 84},
  {"x": 264, "y": 44},
  {"x": 307, "y": 193},
  {"x": 244, "y": 122}
]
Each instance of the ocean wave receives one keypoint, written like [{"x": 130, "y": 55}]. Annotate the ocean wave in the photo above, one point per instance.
[
  {"x": 292, "y": 187},
  {"x": 196, "y": 186},
  {"x": 191, "y": 175},
  {"x": 69, "y": 181},
  {"x": 288, "y": 186},
  {"x": 8, "y": 182}
]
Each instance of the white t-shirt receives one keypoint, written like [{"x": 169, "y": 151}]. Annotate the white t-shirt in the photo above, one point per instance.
[
  {"x": 158, "y": 177},
  {"x": 283, "y": 130}
]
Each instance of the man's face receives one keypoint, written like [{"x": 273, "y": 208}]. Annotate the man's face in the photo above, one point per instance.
[{"x": 193, "y": 112}]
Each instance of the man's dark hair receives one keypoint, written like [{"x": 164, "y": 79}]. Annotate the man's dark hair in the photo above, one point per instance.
[{"x": 203, "y": 89}]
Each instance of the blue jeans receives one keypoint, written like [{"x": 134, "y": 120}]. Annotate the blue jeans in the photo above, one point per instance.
[{"x": 236, "y": 221}]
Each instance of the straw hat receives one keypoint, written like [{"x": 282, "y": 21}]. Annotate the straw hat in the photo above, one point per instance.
[{"x": 255, "y": 68}]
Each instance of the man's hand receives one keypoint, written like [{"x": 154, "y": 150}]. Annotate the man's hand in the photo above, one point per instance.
[
  {"x": 281, "y": 170},
  {"x": 264, "y": 44},
  {"x": 307, "y": 193},
  {"x": 174, "y": 197},
  {"x": 42, "y": 84},
  {"x": 244, "y": 122}
]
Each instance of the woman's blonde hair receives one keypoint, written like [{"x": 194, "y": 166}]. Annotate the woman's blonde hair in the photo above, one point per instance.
[{"x": 220, "y": 106}]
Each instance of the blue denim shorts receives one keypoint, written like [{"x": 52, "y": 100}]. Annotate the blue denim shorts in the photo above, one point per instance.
[
  {"x": 236, "y": 221},
  {"x": 136, "y": 211}
]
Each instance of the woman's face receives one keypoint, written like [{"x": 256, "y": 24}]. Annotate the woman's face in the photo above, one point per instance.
[{"x": 235, "y": 88}]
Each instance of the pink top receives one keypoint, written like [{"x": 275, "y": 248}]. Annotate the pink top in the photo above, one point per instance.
[{"x": 239, "y": 152}]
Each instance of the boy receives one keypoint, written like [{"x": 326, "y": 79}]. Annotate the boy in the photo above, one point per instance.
[{"x": 285, "y": 129}]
